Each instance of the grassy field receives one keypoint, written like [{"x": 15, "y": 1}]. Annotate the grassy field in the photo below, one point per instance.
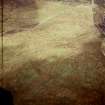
[{"x": 58, "y": 61}]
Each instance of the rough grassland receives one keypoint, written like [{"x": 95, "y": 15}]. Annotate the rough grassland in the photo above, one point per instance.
[{"x": 59, "y": 61}]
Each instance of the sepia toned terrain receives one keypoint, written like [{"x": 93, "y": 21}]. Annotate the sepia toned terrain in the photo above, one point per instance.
[{"x": 52, "y": 54}]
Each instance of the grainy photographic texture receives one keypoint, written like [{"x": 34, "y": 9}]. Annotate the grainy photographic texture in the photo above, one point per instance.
[{"x": 54, "y": 52}]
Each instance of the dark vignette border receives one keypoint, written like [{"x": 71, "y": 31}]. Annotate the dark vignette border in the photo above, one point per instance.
[{"x": 2, "y": 31}]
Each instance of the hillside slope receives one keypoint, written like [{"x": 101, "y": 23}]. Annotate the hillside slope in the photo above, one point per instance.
[{"x": 59, "y": 62}]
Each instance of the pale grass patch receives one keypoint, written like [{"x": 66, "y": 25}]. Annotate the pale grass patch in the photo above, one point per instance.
[{"x": 60, "y": 26}]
